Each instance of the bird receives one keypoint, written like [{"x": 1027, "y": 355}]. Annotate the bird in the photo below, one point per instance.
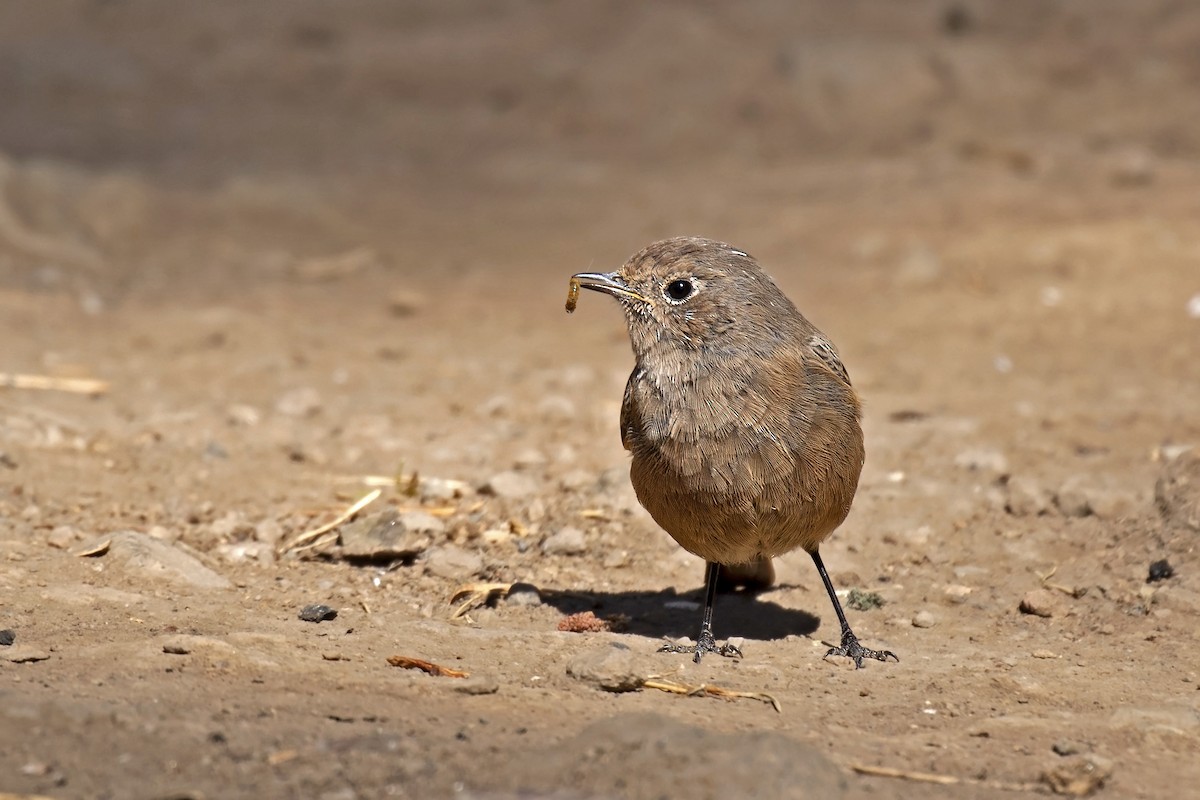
[{"x": 743, "y": 428}]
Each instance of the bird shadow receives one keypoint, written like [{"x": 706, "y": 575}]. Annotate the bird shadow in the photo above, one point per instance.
[{"x": 670, "y": 614}]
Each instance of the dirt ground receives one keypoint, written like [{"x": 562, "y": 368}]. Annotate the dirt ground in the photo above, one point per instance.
[{"x": 308, "y": 243}]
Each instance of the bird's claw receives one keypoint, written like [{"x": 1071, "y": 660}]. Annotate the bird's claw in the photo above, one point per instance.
[
  {"x": 707, "y": 644},
  {"x": 851, "y": 648}
]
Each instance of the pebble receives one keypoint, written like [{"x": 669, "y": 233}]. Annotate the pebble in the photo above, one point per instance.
[
  {"x": 1026, "y": 497},
  {"x": 317, "y": 612},
  {"x": 7, "y": 637},
  {"x": 1073, "y": 499},
  {"x": 476, "y": 685},
  {"x": 565, "y": 542},
  {"x": 610, "y": 668},
  {"x": 383, "y": 537},
  {"x": 23, "y": 654},
  {"x": 302, "y": 402},
  {"x": 422, "y": 522},
  {"x": 1041, "y": 603},
  {"x": 957, "y": 593},
  {"x": 241, "y": 552},
  {"x": 1079, "y": 775},
  {"x": 244, "y": 415},
  {"x": 509, "y": 484},
  {"x": 452, "y": 562},
  {"x": 923, "y": 619},
  {"x": 62, "y": 537}
]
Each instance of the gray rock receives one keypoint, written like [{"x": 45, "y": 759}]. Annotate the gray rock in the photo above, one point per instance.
[
  {"x": 610, "y": 668},
  {"x": 510, "y": 484},
  {"x": 453, "y": 562},
  {"x": 382, "y": 537},
  {"x": 565, "y": 542},
  {"x": 152, "y": 558}
]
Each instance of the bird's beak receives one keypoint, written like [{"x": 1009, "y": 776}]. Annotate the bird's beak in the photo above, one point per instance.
[{"x": 609, "y": 283}]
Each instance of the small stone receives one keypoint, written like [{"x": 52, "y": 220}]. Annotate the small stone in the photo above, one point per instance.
[
  {"x": 523, "y": 594},
  {"x": 452, "y": 562},
  {"x": 476, "y": 685},
  {"x": 317, "y": 613},
  {"x": 441, "y": 489},
  {"x": 385, "y": 537},
  {"x": 615, "y": 559},
  {"x": 1041, "y": 603},
  {"x": 509, "y": 484},
  {"x": 610, "y": 668},
  {"x": 1072, "y": 498},
  {"x": 422, "y": 522},
  {"x": 231, "y": 527},
  {"x": 1026, "y": 497},
  {"x": 957, "y": 593},
  {"x": 268, "y": 531},
  {"x": 923, "y": 619},
  {"x": 62, "y": 537},
  {"x": 241, "y": 552},
  {"x": 23, "y": 654},
  {"x": 1079, "y": 776},
  {"x": 1160, "y": 570},
  {"x": 7, "y": 637},
  {"x": 303, "y": 402},
  {"x": 565, "y": 542},
  {"x": 1066, "y": 747},
  {"x": 246, "y": 416}
]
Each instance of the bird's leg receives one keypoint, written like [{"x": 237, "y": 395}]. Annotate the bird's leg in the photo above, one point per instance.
[
  {"x": 849, "y": 646},
  {"x": 706, "y": 643}
]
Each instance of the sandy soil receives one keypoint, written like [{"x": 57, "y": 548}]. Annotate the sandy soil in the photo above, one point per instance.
[{"x": 305, "y": 245}]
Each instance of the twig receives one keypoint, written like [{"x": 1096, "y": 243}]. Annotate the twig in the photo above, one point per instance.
[
  {"x": 17, "y": 380},
  {"x": 943, "y": 780},
  {"x": 709, "y": 690},
  {"x": 362, "y": 503},
  {"x": 408, "y": 662}
]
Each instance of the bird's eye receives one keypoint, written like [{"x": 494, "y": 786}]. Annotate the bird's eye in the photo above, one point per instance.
[{"x": 679, "y": 289}]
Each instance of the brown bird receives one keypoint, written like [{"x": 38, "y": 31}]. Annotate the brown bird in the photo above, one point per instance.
[{"x": 740, "y": 418}]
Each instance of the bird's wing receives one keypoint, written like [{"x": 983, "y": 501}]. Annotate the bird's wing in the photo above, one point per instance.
[{"x": 824, "y": 350}]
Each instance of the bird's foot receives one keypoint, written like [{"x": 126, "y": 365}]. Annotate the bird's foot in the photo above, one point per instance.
[
  {"x": 707, "y": 644},
  {"x": 851, "y": 648}
]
